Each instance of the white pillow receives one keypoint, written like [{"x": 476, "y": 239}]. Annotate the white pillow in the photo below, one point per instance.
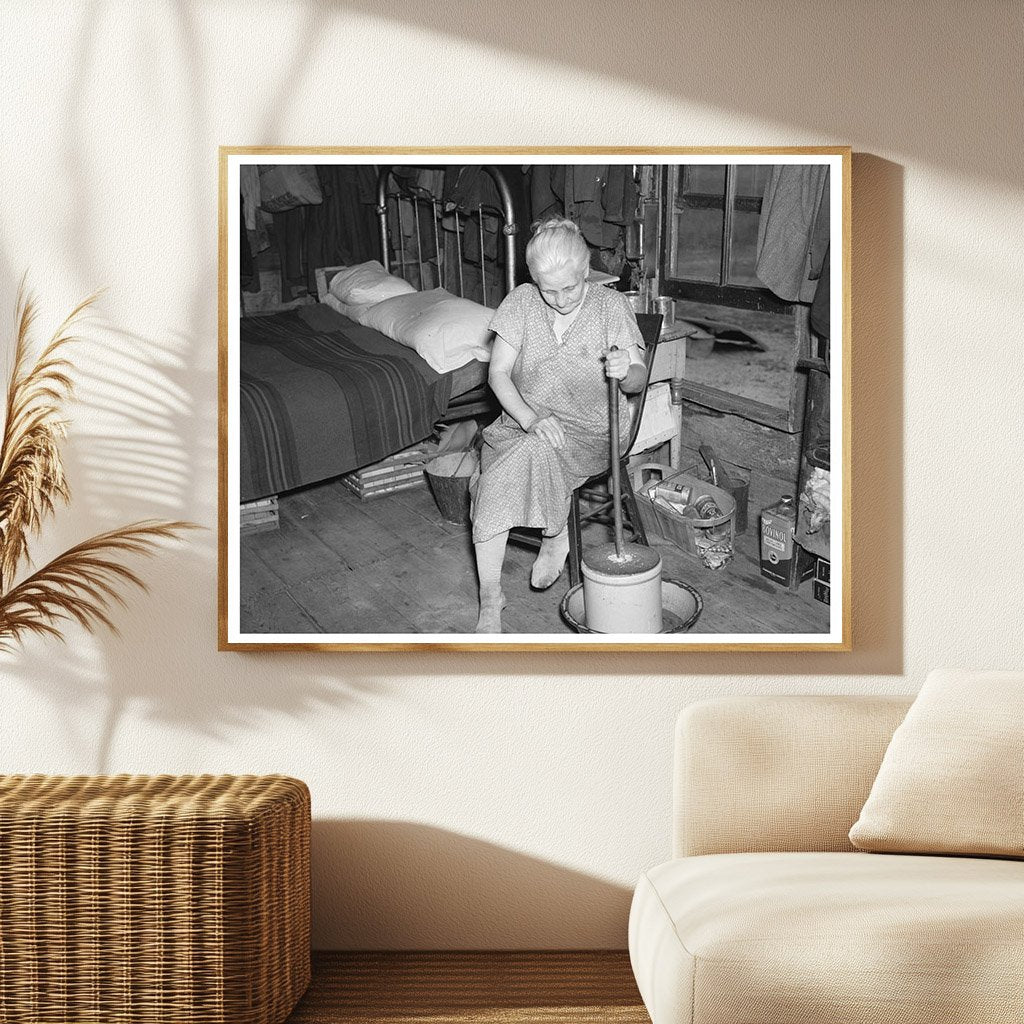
[
  {"x": 446, "y": 331},
  {"x": 397, "y": 316},
  {"x": 352, "y": 312},
  {"x": 951, "y": 780},
  {"x": 367, "y": 283}
]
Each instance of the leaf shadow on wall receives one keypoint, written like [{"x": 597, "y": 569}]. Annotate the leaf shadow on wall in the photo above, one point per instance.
[
  {"x": 136, "y": 455},
  {"x": 145, "y": 444},
  {"x": 404, "y": 885}
]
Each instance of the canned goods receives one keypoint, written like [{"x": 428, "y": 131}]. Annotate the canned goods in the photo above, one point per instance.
[
  {"x": 666, "y": 306},
  {"x": 636, "y": 302},
  {"x": 707, "y": 507},
  {"x": 782, "y": 559},
  {"x": 676, "y": 492}
]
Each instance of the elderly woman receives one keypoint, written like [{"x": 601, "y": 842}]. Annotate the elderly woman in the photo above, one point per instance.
[{"x": 556, "y": 343}]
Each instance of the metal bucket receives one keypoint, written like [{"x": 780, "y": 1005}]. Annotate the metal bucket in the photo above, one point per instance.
[{"x": 448, "y": 477}]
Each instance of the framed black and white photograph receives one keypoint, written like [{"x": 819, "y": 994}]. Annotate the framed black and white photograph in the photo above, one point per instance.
[{"x": 514, "y": 399}]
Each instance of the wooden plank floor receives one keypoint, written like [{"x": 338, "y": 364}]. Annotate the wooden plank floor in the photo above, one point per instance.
[
  {"x": 393, "y": 565},
  {"x": 472, "y": 988}
]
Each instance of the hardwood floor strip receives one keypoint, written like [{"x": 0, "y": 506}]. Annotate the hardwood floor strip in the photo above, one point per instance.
[
  {"x": 341, "y": 601},
  {"x": 472, "y": 988},
  {"x": 255, "y": 580},
  {"x": 292, "y": 553},
  {"x": 348, "y": 527},
  {"x": 275, "y": 612}
]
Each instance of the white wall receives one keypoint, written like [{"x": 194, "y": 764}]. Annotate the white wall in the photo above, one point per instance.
[{"x": 486, "y": 800}]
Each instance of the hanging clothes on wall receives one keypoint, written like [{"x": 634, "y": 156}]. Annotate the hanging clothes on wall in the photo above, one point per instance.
[
  {"x": 472, "y": 191},
  {"x": 547, "y": 191},
  {"x": 821, "y": 312},
  {"x": 412, "y": 223},
  {"x": 584, "y": 203},
  {"x": 342, "y": 230},
  {"x": 793, "y": 233},
  {"x": 339, "y": 230},
  {"x": 290, "y": 242},
  {"x": 253, "y": 224},
  {"x": 253, "y": 219},
  {"x": 247, "y": 265},
  {"x": 426, "y": 181},
  {"x": 600, "y": 198}
]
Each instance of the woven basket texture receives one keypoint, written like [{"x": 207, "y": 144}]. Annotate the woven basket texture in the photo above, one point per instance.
[{"x": 135, "y": 899}]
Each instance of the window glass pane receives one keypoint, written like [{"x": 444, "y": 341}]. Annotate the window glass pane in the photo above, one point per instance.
[
  {"x": 698, "y": 240},
  {"x": 751, "y": 179},
  {"x": 697, "y": 221},
  {"x": 750, "y": 182},
  {"x": 743, "y": 255},
  {"x": 704, "y": 178}
]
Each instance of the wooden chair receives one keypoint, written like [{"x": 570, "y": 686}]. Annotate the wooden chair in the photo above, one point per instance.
[{"x": 596, "y": 497}]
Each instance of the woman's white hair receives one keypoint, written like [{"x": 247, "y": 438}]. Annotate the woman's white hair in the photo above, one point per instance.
[{"x": 556, "y": 243}]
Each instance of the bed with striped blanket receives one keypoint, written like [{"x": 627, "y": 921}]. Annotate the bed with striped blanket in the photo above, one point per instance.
[{"x": 322, "y": 395}]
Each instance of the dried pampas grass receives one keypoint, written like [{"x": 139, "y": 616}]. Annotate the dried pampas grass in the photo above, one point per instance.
[{"x": 82, "y": 584}]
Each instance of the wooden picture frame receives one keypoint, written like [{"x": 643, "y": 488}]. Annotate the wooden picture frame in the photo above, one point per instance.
[{"x": 740, "y": 370}]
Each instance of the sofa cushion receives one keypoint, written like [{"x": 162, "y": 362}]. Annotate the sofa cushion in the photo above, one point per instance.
[
  {"x": 950, "y": 780},
  {"x": 777, "y": 772},
  {"x": 781, "y": 938}
]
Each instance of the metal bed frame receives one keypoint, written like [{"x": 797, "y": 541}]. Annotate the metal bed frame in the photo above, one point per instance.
[
  {"x": 387, "y": 188},
  {"x": 479, "y": 401}
]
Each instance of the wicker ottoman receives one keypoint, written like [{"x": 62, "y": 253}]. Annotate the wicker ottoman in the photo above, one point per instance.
[{"x": 172, "y": 899}]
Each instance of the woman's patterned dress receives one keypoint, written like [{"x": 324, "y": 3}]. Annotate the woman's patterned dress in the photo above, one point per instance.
[{"x": 524, "y": 481}]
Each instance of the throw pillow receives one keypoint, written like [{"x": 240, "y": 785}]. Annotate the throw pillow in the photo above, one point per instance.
[{"x": 951, "y": 780}]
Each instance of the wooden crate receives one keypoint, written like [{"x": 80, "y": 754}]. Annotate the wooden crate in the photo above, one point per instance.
[
  {"x": 151, "y": 899},
  {"x": 398, "y": 472},
  {"x": 259, "y": 516}
]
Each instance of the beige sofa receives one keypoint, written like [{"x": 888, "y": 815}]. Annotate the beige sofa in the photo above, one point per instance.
[{"x": 768, "y": 915}]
